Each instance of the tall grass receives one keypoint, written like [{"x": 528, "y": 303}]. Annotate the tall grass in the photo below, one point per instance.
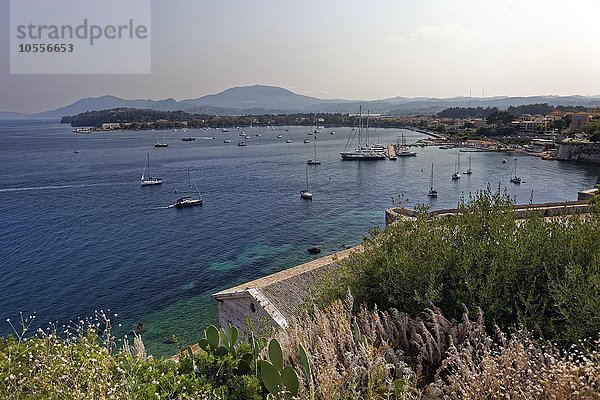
[{"x": 431, "y": 357}]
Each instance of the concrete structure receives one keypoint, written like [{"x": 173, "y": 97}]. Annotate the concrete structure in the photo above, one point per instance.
[
  {"x": 275, "y": 299},
  {"x": 579, "y": 121},
  {"x": 578, "y": 150},
  {"x": 556, "y": 115},
  {"x": 594, "y": 112},
  {"x": 587, "y": 194},
  {"x": 539, "y": 124},
  {"x": 547, "y": 210},
  {"x": 110, "y": 126}
]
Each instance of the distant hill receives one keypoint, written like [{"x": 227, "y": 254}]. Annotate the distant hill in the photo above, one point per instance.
[
  {"x": 257, "y": 97},
  {"x": 108, "y": 102},
  {"x": 13, "y": 115},
  {"x": 261, "y": 99}
]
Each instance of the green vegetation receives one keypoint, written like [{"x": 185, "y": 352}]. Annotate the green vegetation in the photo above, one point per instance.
[
  {"x": 480, "y": 112},
  {"x": 500, "y": 118},
  {"x": 593, "y": 131},
  {"x": 467, "y": 112},
  {"x": 532, "y": 109},
  {"x": 137, "y": 119},
  {"x": 542, "y": 275}
]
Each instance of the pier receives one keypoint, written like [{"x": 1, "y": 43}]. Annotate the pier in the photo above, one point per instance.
[{"x": 391, "y": 150}]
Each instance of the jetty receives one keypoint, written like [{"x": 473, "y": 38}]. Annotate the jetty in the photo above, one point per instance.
[{"x": 391, "y": 151}]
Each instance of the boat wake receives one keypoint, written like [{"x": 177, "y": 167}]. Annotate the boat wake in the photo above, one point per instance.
[
  {"x": 51, "y": 187},
  {"x": 24, "y": 189}
]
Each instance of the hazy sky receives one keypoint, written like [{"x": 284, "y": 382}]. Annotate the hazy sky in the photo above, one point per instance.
[{"x": 343, "y": 49}]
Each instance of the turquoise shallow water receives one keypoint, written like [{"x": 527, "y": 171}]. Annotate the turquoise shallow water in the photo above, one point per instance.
[{"x": 79, "y": 234}]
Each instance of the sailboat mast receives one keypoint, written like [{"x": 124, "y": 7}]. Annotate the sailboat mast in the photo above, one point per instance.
[
  {"x": 431, "y": 180},
  {"x": 307, "y": 184},
  {"x": 360, "y": 124},
  {"x": 367, "y": 130},
  {"x": 190, "y": 178}
]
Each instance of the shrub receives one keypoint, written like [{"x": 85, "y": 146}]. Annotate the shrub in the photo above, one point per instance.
[{"x": 543, "y": 275}]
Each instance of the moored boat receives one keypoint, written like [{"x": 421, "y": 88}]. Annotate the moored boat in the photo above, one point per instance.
[{"x": 147, "y": 179}]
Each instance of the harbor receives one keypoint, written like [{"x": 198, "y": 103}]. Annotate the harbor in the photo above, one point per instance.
[{"x": 163, "y": 264}]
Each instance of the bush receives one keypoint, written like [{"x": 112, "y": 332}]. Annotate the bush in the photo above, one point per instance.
[
  {"x": 82, "y": 362},
  {"x": 539, "y": 274}
]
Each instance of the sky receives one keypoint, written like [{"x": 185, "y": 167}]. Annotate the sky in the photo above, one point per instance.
[{"x": 342, "y": 49}]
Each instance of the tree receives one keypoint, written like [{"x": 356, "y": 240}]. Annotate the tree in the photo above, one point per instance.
[
  {"x": 502, "y": 118},
  {"x": 593, "y": 131}
]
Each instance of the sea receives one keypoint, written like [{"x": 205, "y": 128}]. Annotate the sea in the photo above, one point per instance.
[{"x": 78, "y": 233}]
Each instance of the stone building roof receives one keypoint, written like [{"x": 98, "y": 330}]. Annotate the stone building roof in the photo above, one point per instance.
[{"x": 282, "y": 293}]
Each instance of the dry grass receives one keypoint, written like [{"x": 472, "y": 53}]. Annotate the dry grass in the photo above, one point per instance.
[
  {"x": 433, "y": 357},
  {"x": 344, "y": 367}
]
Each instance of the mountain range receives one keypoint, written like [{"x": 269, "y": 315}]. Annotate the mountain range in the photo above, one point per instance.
[{"x": 260, "y": 99}]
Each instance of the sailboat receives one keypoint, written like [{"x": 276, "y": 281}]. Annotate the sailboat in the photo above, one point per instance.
[
  {"x": 362, "y": 151},
  {"x": 456, "y": 174},
  {"x": 469, "y": 172},
  {"x": 147, "y": 179},
  {"x": 403, "y": 150},
  {"x": 314, "y": 161},
  {"x": 432, "y": 192},
  {"x": 243, "y": 142},
  {"x": 161, "y": 144},
  {"x": 515, "y": 178},
  {"x": 306, "y": 193},
  {"x": 188, "y": 201}
]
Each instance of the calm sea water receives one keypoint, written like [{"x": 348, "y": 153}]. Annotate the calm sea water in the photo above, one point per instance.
[{"x": 79, "y": 234}]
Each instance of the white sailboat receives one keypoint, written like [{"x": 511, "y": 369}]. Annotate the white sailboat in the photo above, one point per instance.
[
  {"x": 187, "y": 201},
  {"x": 456, "y": 174},
  {"x": 469, "y": 172},
  {"x": 403, "y": 150},
  {"x": 432, "y": 192},
  {"x": 515, "y": 178},
  {"x": 147, "y": 179},
  {"x": 362, "y": 151},
  {"x": 161, "y": 144},
  {"x": 306, "y": 193},
  {"x": 314, "y": 161}
]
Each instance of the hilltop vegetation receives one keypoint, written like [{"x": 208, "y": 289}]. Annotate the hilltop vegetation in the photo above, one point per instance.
[{"x": 137, "y": 119}]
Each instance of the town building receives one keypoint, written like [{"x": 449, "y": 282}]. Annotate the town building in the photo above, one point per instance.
[{"x": 579, "y": 121}]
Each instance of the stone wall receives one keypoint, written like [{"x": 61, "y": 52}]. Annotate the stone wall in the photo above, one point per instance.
[
  {"x": 546, "y": 210},
  {"x": 579, "y": 151},
  {"x": 275, "y": 299},
  {"x": 239, "y": 308}
]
